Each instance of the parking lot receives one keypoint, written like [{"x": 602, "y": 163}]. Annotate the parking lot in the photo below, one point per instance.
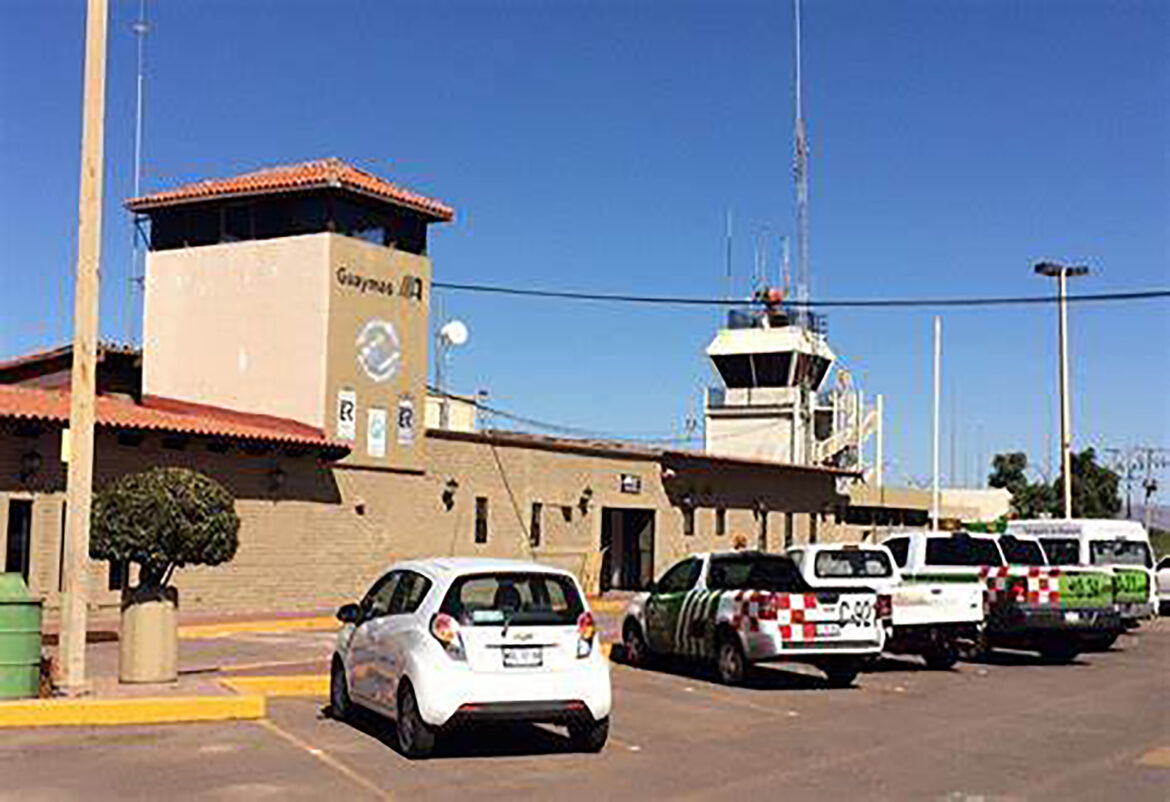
[{"x": 1012, "y": 728}]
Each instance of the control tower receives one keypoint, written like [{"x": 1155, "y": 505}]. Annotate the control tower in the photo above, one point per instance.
[{"x": 774, "y": 361}]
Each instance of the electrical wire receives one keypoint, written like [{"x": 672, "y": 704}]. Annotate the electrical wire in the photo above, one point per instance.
[{"x": 901, "y": 303}]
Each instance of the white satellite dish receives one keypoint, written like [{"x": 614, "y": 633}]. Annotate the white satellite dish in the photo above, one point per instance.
[{"x": 454, "y": 332}]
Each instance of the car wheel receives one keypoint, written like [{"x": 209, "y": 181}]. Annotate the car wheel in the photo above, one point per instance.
[
  {"x": 637, "y": 653},
  {"x": 589, "y": 736},
  {"x": 340, "y": 705},
  {"x": 416, "y": 738},
  {"x": 841, "y": 674},
  {"x": 730, "y": 662},
  {"x": 941, "y": 655}
]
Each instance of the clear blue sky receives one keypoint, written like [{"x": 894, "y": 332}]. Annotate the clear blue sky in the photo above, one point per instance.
[{"x": 595, "y": 146}]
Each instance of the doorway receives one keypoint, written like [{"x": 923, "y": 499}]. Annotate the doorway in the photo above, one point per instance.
[
  {"x": 627, "y": 543},
  {"x": 16, "y": 555}
]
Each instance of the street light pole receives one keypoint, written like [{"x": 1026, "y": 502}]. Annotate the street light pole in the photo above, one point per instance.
[{"x": 1061, "y": 273}]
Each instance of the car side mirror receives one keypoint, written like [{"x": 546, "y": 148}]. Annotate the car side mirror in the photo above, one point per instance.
[
  {"x": 651, "y": 586},
  {"x": 349, "y": 613}
]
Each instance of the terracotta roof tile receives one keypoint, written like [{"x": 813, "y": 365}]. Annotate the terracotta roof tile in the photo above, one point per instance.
[
  {"x": 305, "y": 175},
  {"x": 165, "y": 415}
]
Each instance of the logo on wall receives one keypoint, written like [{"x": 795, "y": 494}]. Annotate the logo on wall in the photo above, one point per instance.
[
  {"x": 378, "y": 350},
  {"x": 405, "y": 422},
  {"x": 376, "y": 432},
  {"x": 346, "y": 415}
]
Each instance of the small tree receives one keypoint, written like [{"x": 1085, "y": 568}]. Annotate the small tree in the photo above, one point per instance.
[{"x": 163, "y": 519}]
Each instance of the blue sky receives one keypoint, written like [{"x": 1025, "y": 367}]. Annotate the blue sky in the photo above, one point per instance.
[{"x": 596, "y": 146}]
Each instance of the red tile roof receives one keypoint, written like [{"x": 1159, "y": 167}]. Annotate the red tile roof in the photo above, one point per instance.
[
  {"x": 166, "y": 415},
  {"x": 289, "y": 177}
]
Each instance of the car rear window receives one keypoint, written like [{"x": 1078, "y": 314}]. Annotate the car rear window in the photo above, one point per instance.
[
  {"x": 756, "y": 572},
  {"x": 519, "y": 598},
  {"x": 1061, "y": 551},
  {"x": 1120, "y": 552},
  {"x": 1021, "y": 552},
  {"x": 852, "y": 564},
  {"x": 965, "y": 551}
]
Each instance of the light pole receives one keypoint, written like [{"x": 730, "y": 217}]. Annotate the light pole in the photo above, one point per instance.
[{"x": 1061, "y": 273}]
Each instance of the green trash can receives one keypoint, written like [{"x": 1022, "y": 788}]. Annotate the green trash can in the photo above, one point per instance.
[{"x": 20, "y": 640}]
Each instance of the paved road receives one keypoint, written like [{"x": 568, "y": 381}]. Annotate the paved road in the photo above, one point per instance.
[{"x": 1011, "y": 729}]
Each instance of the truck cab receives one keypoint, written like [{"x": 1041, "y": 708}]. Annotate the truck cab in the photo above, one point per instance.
[{"x": 934, "y": 620}]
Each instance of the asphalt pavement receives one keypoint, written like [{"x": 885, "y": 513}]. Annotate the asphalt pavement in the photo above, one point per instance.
[{"x": 1012, "y": 728}]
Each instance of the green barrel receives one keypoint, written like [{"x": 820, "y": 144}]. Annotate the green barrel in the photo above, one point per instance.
[{"x": 20, "y": 639}]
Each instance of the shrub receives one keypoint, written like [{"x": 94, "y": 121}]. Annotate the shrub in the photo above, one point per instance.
[{"x": 163, "y": 519}]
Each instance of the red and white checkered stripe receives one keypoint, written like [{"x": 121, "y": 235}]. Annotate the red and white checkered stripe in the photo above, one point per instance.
[
  {"x": 790, "y": 611},
  {"x": 1043, "y": 586}
]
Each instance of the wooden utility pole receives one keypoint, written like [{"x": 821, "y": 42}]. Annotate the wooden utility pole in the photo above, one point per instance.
[{"x": 84, "y": 379}]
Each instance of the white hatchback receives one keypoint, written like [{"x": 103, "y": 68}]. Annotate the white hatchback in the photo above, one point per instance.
[{"x": 444, "y": 642}]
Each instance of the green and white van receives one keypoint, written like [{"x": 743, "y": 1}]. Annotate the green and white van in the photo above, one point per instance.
[{"x": 1122, "y": 547}]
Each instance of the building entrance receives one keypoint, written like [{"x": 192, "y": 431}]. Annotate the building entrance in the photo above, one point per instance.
[{"x": 627, "y": 543}]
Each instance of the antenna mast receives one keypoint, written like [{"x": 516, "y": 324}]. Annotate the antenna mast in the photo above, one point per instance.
[
  {"x": 140, "y": 28},
  {"x": 800, "y": 170}
]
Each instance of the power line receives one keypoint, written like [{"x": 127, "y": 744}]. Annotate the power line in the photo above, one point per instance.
[{"x": 1018, "y": 300}]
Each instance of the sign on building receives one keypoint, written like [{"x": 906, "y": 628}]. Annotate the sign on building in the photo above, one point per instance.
[
  {"x": 631, "y": 483},
  {"x": 346, "y": 415},
  {"x": 376, "y": 432},
  {"x": 405, "y": 422}
]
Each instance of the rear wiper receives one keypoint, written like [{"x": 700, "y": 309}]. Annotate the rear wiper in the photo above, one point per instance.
[{"x": 508, "y": 616}]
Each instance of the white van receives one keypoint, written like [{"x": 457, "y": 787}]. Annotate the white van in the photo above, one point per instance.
[{"x": 1121, "y": 546}]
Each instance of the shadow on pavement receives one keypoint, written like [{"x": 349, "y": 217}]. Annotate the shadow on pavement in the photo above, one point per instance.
[
  {"x": 889, "y": 663},
  {"x": 476, "y": 740},
  {"x": 1001, "y": 657},
  {"x": 766, "y": 677}
]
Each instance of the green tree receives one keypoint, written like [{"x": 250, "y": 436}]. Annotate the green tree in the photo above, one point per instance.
[
  {"x": 163, "y": 519},
  {"x": 1029, "y": 499},
  {"x": 1094, "y": 488}
]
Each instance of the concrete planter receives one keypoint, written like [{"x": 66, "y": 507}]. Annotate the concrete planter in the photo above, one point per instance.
[{"x": 148, "y": 649}]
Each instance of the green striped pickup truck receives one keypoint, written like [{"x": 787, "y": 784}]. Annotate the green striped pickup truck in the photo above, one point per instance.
[
  {"x": 734, "y": 609},
  {"x": 1027, "y": 604}
]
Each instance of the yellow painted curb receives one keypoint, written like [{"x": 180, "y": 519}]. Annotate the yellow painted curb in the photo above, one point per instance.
[
  {"x": 146, "y": 710},
  {"x": 1157, "y": 758},
  {"x": 296, "y": 685},
  {"x": 607, "y": 606},
  {"x": 606, "y": 648},
  {"x": 227, "y": 629}
]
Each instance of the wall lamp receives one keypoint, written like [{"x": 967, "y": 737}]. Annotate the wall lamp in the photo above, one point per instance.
[
  {"x": 30, "y": 464},
  {"x": 585, "y": 500},
  {"x": 449, "y": 493}
]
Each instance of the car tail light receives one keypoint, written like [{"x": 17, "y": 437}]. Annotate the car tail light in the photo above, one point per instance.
[
  {"x": 885, "y": 607},
  {"x": 1019, "y": 593},
  {"x": 586, "y": 632},
  {"x": 445, "y": 630}
]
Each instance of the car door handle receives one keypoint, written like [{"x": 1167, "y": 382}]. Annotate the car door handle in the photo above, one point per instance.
[{"x": 936, "y": 591}]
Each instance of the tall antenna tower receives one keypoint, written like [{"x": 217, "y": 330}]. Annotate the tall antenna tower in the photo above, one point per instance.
[
  {"x": 140, "y": 29},
  {"x": 800, "y": 171}
]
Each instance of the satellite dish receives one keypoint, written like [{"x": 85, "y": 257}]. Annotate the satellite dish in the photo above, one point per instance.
[{"x": 454, "y": 332}]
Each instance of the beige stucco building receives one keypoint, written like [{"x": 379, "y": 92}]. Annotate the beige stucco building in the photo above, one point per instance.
[{"x": 285, "y": 355}]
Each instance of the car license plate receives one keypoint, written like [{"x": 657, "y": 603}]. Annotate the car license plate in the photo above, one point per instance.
[
  {"x": 522, "y": 656},
  {"x": 828, "y": 630},
  {"x": 1072, "y": 617}
]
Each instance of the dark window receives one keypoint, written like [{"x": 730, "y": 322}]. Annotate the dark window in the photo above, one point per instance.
[
  {"x": 1062, "y": 551},
  {"x": 119, "y": 574},
  {"x": 720, "y": 522},
  {"x": 408, "y": 593},
  {"x": 852, "y": 563},
  {"x": 519, "y": 598},
  {"x": 536, "y": 524},
  {"x": 377, "y": 600},
  {"x": 900, "y": 548},
  {"x": 1021, "y": 552},
  {"x": 16, "y": 558},
  {"x": 763, "y": 538},
  {"x": 1120, "y": 552},
  {"x": 770, "y": 572},
  {"x": 681, "y": 577},
  {"x": 788, "y": 529},
  {"x": 688, "y": 516},
  {"x": 481, "y": 519},
  {"x": 962, "y": 550},
  {"x": 814, "y": 520}
]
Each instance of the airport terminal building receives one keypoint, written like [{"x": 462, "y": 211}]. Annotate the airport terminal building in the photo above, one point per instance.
[{"x": 285, "y": 354}]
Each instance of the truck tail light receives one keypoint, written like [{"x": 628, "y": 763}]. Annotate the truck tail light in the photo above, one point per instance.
[
  {"x": 586, "y": 632},
  {"x": 884, "y": 607},
  {"x": 445, "y": 630},
  {"x": 1019, "y": 593}
]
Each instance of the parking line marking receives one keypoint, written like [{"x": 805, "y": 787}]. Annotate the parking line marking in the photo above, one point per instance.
[
  {"x": 327, "y": 759},
  {"x": 1157, "y": 758}
]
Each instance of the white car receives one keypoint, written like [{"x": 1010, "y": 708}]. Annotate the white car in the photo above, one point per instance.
[
  {"x": 453, "y": 641},
  {"x": 1163, "y": 579}
]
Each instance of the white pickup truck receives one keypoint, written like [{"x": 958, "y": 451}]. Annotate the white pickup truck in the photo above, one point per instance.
[
  {"x": 743, "y": 607},
  {"x": 932, "y": 619}
]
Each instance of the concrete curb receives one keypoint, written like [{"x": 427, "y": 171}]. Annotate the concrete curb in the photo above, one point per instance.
[
  {"x": 294, "y": 685},
  {"x": 272, "y": 625},
  {"x": 145, "y": 710}
]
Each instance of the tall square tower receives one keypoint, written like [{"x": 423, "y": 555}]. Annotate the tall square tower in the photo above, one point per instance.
[{"x": 299, "y": 291}]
